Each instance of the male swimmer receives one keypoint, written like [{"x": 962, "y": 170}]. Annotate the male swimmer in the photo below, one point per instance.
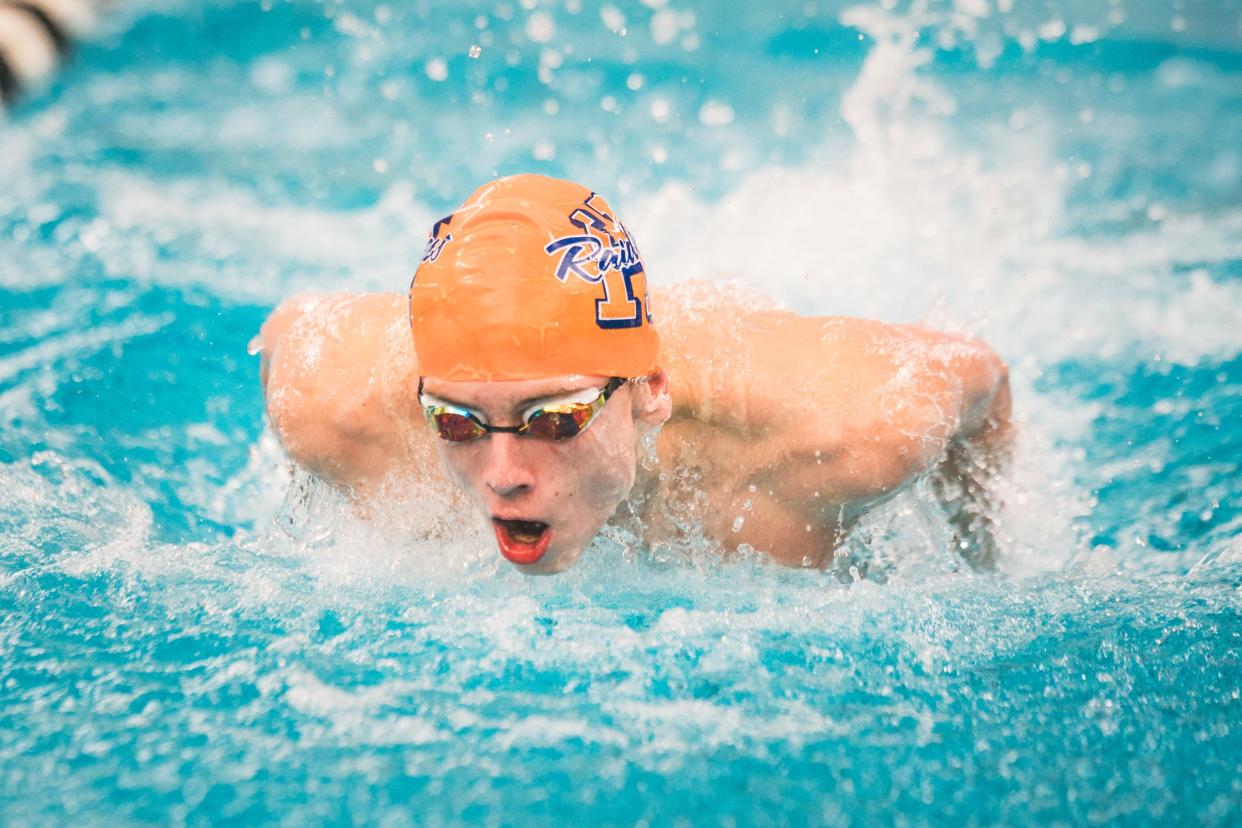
[{"x": 535, "y": 373}]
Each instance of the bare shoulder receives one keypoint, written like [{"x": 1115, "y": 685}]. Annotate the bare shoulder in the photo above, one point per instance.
[
  {"x": 904, "y": 389},
  {"x": 842, "y": 409},
  {"x": 744, "y": 361},
  {"x": 336, "y": 372},
  {"x": 740, "y": 360}
]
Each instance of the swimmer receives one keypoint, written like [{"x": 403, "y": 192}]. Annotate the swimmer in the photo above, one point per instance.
[{"x": 526, "y": 366}]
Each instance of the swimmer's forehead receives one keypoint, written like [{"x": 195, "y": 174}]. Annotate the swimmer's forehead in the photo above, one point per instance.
[{"x": 510, "y": 394}]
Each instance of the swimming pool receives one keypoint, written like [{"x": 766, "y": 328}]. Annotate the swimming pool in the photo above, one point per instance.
[{"x": 183, "y": 641}]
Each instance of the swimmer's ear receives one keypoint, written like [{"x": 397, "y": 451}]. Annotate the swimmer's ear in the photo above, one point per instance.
[{"x": 652, "y": 403}]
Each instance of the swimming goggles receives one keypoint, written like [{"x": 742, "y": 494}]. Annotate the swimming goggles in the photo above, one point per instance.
[{"x": 556, "y": 422}]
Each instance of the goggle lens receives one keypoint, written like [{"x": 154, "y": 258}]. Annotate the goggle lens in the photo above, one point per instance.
[
  {"x": 560, "y": 424},
  {"x": 456, "y": 428},
  {"x": 556, "y": 422}
]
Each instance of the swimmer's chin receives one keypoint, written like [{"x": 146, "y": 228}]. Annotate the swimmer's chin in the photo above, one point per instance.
[
  {"x": 553, "y": 562},
  {"x": 550, "y": 564}
]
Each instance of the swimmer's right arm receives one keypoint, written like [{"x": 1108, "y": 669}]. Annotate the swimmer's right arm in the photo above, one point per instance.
[{"x": 336, "y": 373}]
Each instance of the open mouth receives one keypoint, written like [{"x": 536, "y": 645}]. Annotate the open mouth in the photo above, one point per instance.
[{"x": 522, "y": 541}]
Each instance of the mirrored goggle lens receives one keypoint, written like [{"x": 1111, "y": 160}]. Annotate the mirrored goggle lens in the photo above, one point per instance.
[
  {"x": 562, "y": 423},
  {"x": 456, "y": 428}
]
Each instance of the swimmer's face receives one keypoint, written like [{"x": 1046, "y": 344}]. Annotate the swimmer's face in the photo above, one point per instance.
[{"x": 546, "y": 500}]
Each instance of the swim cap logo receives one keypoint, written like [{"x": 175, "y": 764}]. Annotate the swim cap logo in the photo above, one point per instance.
[
  {"x": 435, "y": 245},
  {"x": 604, "y": 254},
  {"x": 434, "y": 248}
]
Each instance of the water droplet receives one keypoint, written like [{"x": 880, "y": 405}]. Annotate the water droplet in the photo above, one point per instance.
[
  {"x": 436, "y": 69},
  {"x": 613, "y": 18},
  {"x": 544, "y": 150},
  {"x": 540, "y": 27},
  {"x": 474, "y": 51},
  {"x": 716, "y": 113},
  {"x": 737, "y": 523}
]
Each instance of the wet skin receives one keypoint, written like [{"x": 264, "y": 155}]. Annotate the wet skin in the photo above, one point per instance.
[
  {"x": 797, "y": 424},
  {"x": 569, "y": 487}
]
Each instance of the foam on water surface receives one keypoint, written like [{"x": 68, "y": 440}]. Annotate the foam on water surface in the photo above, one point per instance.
[{"x": 191, "y": 633}]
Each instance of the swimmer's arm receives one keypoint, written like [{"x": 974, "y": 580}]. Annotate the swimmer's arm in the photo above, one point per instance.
[
  {"x": 333, "y": 371},
  {"x": 937, "y": 391},
  {"x": 965, "y": 473},
  {"x": 964, "y": 371},
  {"x": 892, "y": 401}
]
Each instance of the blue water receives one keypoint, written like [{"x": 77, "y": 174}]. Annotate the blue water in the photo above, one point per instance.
[{"x": 189, "y": 633}]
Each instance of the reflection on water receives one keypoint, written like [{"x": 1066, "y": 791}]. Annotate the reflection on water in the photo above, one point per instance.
[{"x": 186, "y": 637}]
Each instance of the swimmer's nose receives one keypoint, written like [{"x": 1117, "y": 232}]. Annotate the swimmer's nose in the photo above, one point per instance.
[{"x": 508, "y": 472}]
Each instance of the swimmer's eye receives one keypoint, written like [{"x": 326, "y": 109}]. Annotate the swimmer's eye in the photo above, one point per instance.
[
  {"x": 456, "y": 426},
  {"x": 556, "y": 422},
  {"x": 561, "y": 422}
]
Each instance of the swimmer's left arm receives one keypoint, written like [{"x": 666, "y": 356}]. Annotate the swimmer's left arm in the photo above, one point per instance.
[
  {"x": 965, "y": 372},
  {"x": 933, "y": 390},
  {"x": 891, "y": 401}
]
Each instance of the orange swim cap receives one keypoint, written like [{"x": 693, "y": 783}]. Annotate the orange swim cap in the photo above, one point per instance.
[{"x": 531, "y": 277}]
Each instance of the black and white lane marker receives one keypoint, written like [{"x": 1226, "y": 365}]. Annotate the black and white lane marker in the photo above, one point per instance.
[{"x": 35, "y": 37}]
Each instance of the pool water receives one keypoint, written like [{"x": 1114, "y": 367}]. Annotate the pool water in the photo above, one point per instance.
[{"x": 190, "y": 632}]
